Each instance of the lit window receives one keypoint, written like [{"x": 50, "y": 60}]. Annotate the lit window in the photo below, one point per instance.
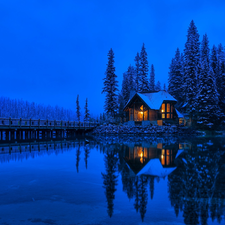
[
  {"x": 163, "y": 116},
  {"x": 168, "y": 115},
  {"x": 163, "y": 108},
  {"x": 168, "y": 107},
  {"x": 171, "y": 116}
]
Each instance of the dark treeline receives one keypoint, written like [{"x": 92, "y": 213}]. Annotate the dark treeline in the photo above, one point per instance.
[
  {"x": 197, "y": 79},
  {"x": 18, "y": 108}
]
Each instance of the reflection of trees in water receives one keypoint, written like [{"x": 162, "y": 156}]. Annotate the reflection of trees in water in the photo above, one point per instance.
[
  {"x": 110, "y": 179},
  {"x": 86, "y": 154},
  {"x": 78, "y": 152},
  {"x": 196, "y": 187},
  {"x": 136, "y": 187},
  {"x": 143, "y": 195},
  {"x": 151, "y": 185}
]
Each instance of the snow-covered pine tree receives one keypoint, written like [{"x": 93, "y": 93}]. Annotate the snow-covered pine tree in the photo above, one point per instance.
[
  {"x": 221, "y": 76},
  {"x": 214, "y": 61},
  {"x": 208, "y": 111},
  {"x": 86, "y": 111},
  {"x": 164, "y": 87},
  {"x": 175, "y": 77},
  {"x": 121, "y": 103},
  {"x": 137, "y": 72},
  {"x": 171, "y": 86},
  {"x": 131, "y": 77},
  {"x": 128, "y": 83},
  {"x": 125, "y": 87},
  {"x": 191, "y": 68},
  {"x": 110, "y": 86},
  {"x": 152, "y": 78},
  {"x": 158, "y": 86},
  {"x": 144, "y": 84},
  {"x": 78, "y": 108}
]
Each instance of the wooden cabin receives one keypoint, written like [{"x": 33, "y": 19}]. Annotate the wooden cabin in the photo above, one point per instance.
[{"x": 151, "y": 108}]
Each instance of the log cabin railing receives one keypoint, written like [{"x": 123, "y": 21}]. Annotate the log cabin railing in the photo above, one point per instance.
[{"x": 51, "y": 124}]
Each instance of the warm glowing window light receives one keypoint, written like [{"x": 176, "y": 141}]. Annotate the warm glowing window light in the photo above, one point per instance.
[
  {"x": 168, "y": 107},
  {"x": 163, "y": 107}
]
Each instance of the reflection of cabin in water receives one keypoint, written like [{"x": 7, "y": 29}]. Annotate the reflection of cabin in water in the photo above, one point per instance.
[
  {"x": 151, "y": 108},
  {"x": 137, "y": 157}
]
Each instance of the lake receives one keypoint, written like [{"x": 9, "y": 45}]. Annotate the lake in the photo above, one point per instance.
[{"x": 113, "y": 180}]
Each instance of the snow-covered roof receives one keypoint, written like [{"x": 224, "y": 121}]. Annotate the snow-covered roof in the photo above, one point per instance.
[
  {"x": 180, "y": 115},
  {"x": 155, "y": 168},
  {"x": 155, "y": 99}
]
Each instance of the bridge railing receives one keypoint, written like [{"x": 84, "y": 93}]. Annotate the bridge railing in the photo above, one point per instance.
[{"x": 11, "y": 122}]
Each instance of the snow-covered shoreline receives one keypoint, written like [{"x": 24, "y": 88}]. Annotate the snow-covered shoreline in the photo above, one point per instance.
[{"x": 154, "y": 130}]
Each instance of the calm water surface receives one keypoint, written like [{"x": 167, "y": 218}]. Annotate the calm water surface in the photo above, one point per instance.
[{"x": 113, "y": 180}]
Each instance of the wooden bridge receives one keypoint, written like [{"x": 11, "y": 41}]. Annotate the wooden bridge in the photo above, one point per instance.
[{"x": 11, "y": 129}]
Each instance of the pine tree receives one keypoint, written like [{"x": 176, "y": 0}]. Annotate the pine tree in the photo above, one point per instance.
[
  {"x": 128, "y": 83},
  {"x": 158, "y": 86},
  {"x": 207, "y": 104},
  {"x": 191, "y": 69},
  {"x": 214, "y": 62},
  {"x": 131, "y": 77},
  {"x": 110, "y": 86},
  {"x": 164, "y": 87},
  {"x": 144, "y": 84},
  {"x": 137, "y": 70},
  {"x": 152, "y": 78},
  {"x": 175, "y": 77},
  {"x": 221, "y": 76},
  {"x": 121, "y": 103},
  {"x": 78, "y": 108},
  {"x": 125, "y": 87},
  {"x": 86, "y": 111}
]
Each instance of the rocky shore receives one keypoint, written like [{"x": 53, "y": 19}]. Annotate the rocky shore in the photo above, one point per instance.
[{"x": 151, "y": 130}]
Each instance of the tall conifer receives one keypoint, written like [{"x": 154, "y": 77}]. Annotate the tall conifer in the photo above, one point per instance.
[
  {"x": 110, "y": 86},
  {"x": 137, "y": 70},
  {"x": 152, "y": 78},
  {"x": 78, "y": 108},
  {"x": 175, "y": 77},
  {"x": 86, "y": 111},
  {"x": 191, "y": 69},
  {"x": 207, "y": 99},
  {"x": 144, "y": 84}
]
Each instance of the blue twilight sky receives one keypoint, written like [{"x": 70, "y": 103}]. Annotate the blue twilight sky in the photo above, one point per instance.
[{"x": 52, "y": 50}]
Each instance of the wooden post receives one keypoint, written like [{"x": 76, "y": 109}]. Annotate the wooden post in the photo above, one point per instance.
[
  {"x": 61, "y": 123},
  {"x": 47, "y": 123},
  {"x": 9, "y": 121}
]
